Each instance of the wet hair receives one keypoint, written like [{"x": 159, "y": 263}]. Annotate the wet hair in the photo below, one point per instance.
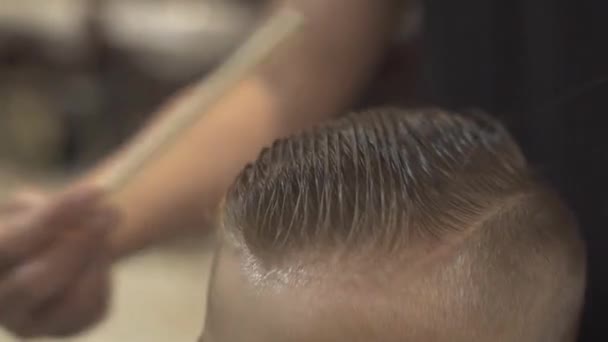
[{"x": 387, "y": 181}]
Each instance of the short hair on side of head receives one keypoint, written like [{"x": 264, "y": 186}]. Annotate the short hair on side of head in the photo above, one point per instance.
[{"x": 388, "y": 180}]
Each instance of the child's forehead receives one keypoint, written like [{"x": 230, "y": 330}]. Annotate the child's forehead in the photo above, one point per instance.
[
  {"x": 284, "y": 321},
  {"x": 396, "y": 305},
  {"x": 238, "y": 311}
]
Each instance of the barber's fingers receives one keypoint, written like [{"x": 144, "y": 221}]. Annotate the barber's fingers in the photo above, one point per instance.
[
  {"x": 23, "y": 200},
  {"x": 47, "y": 274},
  {"x": 27, "y": 231},
  {"x": 81, "y": 306}
]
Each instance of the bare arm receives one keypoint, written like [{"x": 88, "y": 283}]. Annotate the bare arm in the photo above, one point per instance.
[{"x": 318, "y": 73}]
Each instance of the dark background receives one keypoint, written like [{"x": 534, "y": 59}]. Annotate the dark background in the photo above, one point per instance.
[{"x": 539, "y": 66}]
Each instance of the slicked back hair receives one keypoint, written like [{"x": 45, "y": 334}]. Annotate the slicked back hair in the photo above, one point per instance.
[{"x": 384, "y": 182}]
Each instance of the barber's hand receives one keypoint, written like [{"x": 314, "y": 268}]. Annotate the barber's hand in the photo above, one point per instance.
[{"x": 54, "y": 262}]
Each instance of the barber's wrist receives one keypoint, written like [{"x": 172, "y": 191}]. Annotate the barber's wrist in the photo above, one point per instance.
[{"x": 123, "y": 242}]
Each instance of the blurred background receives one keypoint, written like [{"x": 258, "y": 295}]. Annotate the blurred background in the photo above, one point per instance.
[{"x": 77, "y": 77}]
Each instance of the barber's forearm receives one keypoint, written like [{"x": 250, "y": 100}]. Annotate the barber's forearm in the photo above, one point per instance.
[
  {"x": 316, "y": 75},
  {"x": 325, "y": 67},
  {"x": 180, "y": 190}
]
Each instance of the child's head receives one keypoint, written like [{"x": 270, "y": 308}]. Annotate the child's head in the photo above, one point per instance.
[{"x": 395, "y": 226}]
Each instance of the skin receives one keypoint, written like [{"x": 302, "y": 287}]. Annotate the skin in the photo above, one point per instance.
[
  {"x": 322, "y": 305},
  {"x": 241, "y": 310},
  {"x": 486, "y": 284},
  {"x": 56, "y": 251},
  {"x": 359, "y": 297},
  {"x": 38, "y": 240}
]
